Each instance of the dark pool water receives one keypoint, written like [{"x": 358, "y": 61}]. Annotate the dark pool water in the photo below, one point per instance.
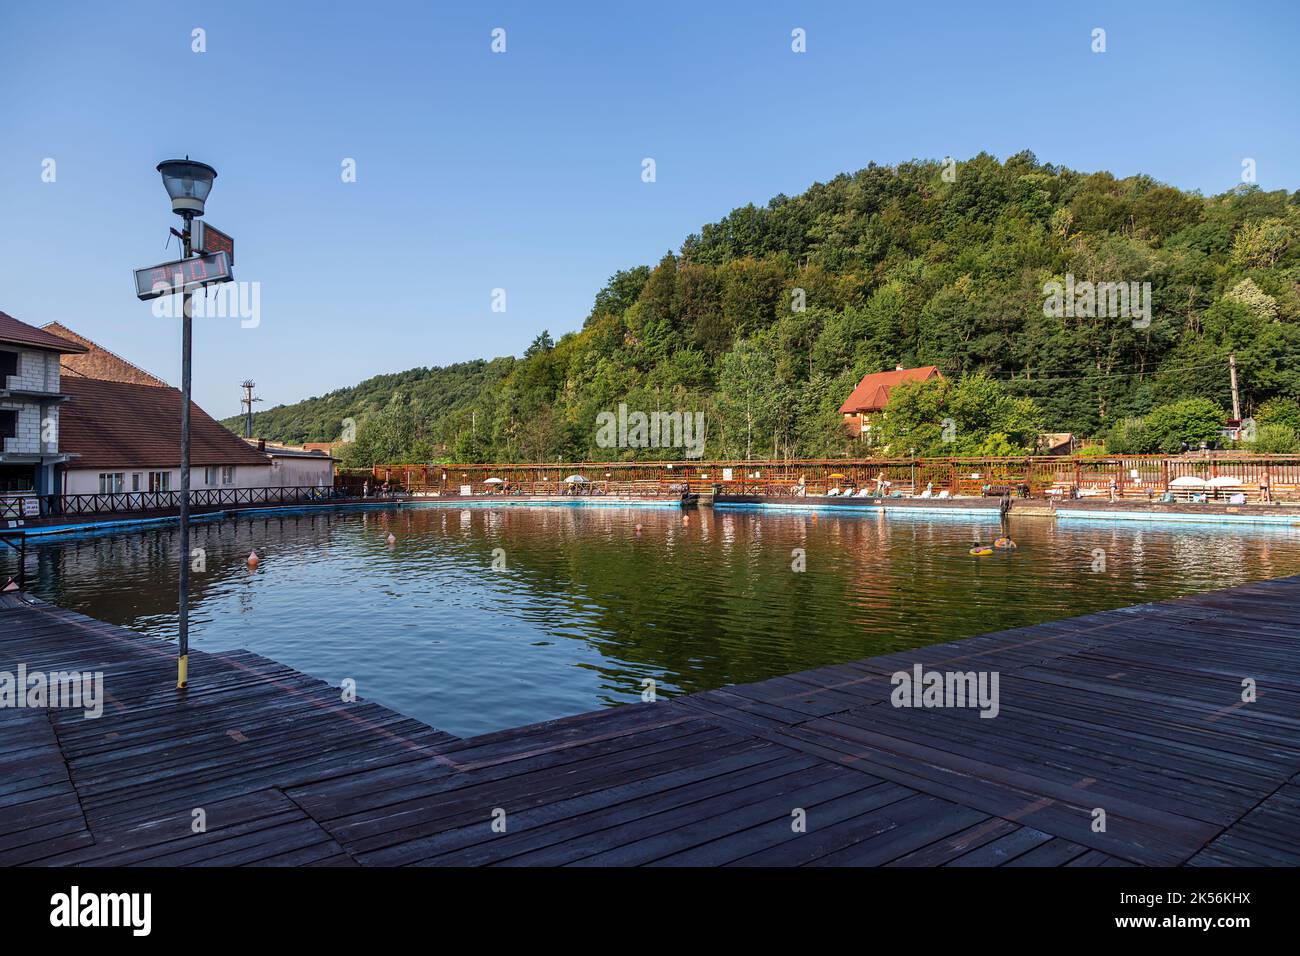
[{"x": 587, "y": 606}]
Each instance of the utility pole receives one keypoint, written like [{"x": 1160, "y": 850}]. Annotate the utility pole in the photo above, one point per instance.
[
  {"x": 247, "y": 401},
  {"x": 1232, "y": 375}
]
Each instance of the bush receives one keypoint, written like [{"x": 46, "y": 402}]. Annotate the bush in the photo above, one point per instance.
[
  {"x": 1275, "y": 440},
  {"x": 1128, "y": 436}
]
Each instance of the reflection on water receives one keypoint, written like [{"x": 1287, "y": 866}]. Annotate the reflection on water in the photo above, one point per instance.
[{"x": 588, "y": 606}]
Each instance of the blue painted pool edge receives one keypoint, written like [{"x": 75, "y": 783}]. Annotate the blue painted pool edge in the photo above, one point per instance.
[
  {"x": 543, "y": 503},
  {"x": 129, "y": 523},
  {"x": 805, "y": 505},
  {"x": 126, "y": 523},
  {"x": 116, "y": 523},
  {"x": 1178, "y": 516},
  {"x": 1061, "y": 513}
]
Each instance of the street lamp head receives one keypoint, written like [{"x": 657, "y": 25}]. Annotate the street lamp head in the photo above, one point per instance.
[{"x": 187, "y": 183}]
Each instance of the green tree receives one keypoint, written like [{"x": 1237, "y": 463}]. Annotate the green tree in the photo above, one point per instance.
[
  {"x": 540, "y": 345},
  {"x": 1191, "y": 421},
  {"x": 974, "y": 415},
  {"x": 1280, "y": 411},
  {"x": 750, "y": 393}
]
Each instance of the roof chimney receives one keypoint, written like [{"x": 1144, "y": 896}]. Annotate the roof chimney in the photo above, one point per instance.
[
  {"x": 898, "y": 368},
  {"x": 261, "y": 444}
]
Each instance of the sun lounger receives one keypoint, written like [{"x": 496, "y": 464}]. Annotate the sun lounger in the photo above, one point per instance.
[
  {"x": 944, "y": 494},
  {"x": 833, "y": 493}
]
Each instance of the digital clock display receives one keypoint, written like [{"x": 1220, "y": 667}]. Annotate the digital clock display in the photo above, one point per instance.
[
  {"x": 183, "y": 275},
  {"x": 208, "y": 239}
]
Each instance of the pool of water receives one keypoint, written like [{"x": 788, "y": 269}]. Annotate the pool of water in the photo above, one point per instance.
[{"x": 586, "y": 603}]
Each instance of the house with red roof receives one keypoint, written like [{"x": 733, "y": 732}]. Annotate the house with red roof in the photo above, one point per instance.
[
  {"x": 123, "y": 425},
  {"x": 872, "y": 395}
]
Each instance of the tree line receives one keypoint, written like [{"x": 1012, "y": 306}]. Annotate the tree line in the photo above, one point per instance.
[{"x": 766, "y": 320}]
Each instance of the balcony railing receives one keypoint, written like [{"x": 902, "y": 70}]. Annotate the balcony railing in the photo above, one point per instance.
[{"x": 44, "y": 506}]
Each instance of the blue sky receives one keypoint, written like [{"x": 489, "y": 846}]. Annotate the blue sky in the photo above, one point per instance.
[{"x": 522, "y": 170}]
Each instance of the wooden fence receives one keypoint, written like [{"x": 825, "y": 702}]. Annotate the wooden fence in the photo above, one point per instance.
[{"x": 1136, "y": 476}]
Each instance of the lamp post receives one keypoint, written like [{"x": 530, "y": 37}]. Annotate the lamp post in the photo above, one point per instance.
[{"x": 188, "y": 184}]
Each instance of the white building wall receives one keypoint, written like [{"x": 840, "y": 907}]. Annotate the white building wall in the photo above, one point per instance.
[
  {"x": 302, "y": 473},
  {"x": 28, "y": 439},
  {"x": 278, "y": 473},
  {"x": 37, "y": 372},
  {"x": 85, "y": 481}
]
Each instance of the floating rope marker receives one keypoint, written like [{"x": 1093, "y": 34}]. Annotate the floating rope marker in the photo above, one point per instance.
[{"x": 253, "y": 560}]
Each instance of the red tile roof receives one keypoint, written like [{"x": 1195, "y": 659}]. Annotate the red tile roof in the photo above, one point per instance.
[
  {"x": 13, "y": 332},
  {"x": 123, "y": 425},
  {"x": 98, "y": 362},
  {"x": 872, "y": 393}
]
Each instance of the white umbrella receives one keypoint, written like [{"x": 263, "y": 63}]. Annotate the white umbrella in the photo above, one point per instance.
[
  {"x": 1188, "y": 481},
  {"x": 575, "y": 480},
  {"x": 493, "y": 481},
  {"x": 1224, "y": 481}
]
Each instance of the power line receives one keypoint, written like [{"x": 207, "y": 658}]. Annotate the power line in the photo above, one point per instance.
[
  {"x": 1083, "y": 378},
  {"x": 1011, "y": 378}
]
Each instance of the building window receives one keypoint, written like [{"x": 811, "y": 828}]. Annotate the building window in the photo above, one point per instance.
[
  {"x": 160, "y": 481},
  {"x": 8, "y": 423},
  {"x": 111, "y": 483},
  {"x": 209, "y": 475},
  {"x": 8, "y": 365},
  {"x": 227, "y": 474},
  {"x": 135, "y": 481}
]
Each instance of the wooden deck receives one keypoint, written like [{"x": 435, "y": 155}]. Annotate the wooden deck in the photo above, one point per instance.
[{"x": 1137, "y": 712}]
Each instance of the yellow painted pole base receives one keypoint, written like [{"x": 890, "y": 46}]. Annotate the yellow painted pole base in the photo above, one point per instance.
[{"x": 182, "y": 671}]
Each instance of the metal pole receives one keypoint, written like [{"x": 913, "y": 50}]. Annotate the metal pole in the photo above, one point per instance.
[
  {"x": 1232, "y": 377},
  {"x": 187, "y": 307}
]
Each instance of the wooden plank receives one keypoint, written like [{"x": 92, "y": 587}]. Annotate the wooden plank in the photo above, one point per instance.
[{"x": 1135, "y": 710}]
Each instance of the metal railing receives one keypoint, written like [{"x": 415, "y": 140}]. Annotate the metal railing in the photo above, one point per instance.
[{"x": 20, "y": 506}]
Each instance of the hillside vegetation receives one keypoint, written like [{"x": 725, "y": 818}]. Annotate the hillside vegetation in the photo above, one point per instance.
[{"x": 765, "y": 321}]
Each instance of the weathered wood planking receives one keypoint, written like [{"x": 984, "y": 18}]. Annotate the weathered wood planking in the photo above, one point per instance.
[{"x": 1136, "y": 712}]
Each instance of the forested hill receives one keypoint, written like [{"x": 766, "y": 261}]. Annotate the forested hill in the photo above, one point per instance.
[
  {"x": 765, "y": 321},
  {"x": 430, "y": 393}
]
